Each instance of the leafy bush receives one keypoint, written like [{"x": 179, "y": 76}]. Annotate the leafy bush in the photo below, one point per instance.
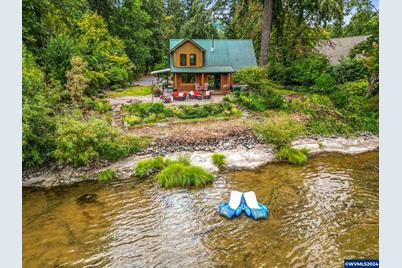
[
  {"x": 324, "y": 84},
  {"x": 106, "y": 175},
  {"x": 298, "y": 105},
  {"x": 147, "y": 167},
  {"x": 98, "y": 105},
  {"x": 260, "y": 102},
  {"x": 206, "y": 110},
  {"x": 279, "y": 131},
  {"x": 218, "y": 159},
  {"x": 305, "y": 71},
  {"x": 254, "y": 77},
  {"x": 146, "y": 113},
  {"x": 132, "y": 120},
  {"x": 179, "y": 174},
  {"x": 38, "y": 123},
  {"x": 357, "y": 88},
  {"x": 294, "y": 156},
  {"x": 349, "y": 69},
  {"x": 340, "y": 98},
  {"x": 278, "y": 72},
  {"x": 80, "y": 143}
]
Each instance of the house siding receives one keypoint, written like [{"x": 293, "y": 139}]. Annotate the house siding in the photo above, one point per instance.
[{"x": 188, "y": 48}]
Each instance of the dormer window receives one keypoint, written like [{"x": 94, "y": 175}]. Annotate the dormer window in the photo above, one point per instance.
[
  {"x": 183, "y": 59},
  {"x": 193, "y": 60}
]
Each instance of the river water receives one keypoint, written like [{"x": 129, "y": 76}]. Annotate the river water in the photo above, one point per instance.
[{"x": 321, "y": 213}]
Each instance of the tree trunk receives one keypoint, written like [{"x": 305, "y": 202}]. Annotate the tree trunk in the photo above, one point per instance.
[
  {"x": 266, "y": 32},
  {"x": 372, "y": 84}
]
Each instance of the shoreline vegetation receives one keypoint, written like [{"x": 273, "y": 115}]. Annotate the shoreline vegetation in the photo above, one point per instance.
[{"x": 237, "y": 157}]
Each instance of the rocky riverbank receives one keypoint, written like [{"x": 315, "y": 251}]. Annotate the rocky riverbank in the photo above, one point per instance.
[{"x": 242, "y": 152}]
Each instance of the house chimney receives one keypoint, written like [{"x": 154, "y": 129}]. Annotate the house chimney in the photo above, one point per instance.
[{"x": 212, "y": 47}]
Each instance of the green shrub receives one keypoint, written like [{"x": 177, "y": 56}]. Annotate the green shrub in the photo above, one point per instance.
[
  {"x": 298, "y": 105},
  {"x": 80, "y": 142},
  {"x": 340, "y": 98},
  {"x": 278, "y": 72},
  {"x": 327, "y": 125},
  {"x": 294, "y": 156},
  {"x": 106, "y": 175},
  {"x": 147, "y": 167},
  {"x": 218, "y": 159},
  {"x": 349, "y": 70},
  {"x": 132, "y": 120},
  {"x": 179, "y": 174},
  {"x": 305, "y": 71},
  {"x": 372, "y": 104},
  {"x": 102, "y": 106},
  {"x": 357, "y": 88},
  {"x": 207, "y": 110},
  {"x": 257, "y": 102},
  {"x": 254, "y": 77},
  {"x": 232, "y": 97},
  {"x": 324, "y": 84},
  {"x": 279, "y": 131},
  {"x": 146, "y": 113},
  {"x": 145, "y": 109},
  {"x": 96, "y": 104}
]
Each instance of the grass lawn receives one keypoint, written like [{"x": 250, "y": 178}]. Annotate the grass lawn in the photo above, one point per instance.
[
  {"x": 131, "y": 91},
  {"x": 283, "y": 91}
]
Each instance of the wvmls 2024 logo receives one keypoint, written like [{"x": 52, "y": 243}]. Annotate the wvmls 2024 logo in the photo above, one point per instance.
[{"x": 361, "y": 263}]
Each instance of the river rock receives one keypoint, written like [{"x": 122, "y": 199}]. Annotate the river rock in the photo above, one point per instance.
[{"x": 86, "y": 198}]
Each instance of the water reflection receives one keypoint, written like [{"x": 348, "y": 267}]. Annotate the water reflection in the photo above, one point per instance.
[{"x": 320, "y": 214}]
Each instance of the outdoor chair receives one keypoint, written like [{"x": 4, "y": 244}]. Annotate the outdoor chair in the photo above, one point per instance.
[
  {"x": 179, "y": 96},
  {"x": 206, "y": 94},
  {"x": 206, "y": 86},
  {"x": 194, "y": 94}
]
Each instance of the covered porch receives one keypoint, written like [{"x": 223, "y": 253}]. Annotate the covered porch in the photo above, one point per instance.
[{"x": 217, "y": 83}]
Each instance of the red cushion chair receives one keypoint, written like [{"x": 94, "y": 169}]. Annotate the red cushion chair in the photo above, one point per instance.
[
  {"x": 207, "y": 94},
  {"x": 193, "y": 94},
  {"x": 179, "y": 96}
]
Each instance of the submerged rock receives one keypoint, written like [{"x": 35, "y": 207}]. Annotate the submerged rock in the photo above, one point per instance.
[{"x": 86, "y": 198}]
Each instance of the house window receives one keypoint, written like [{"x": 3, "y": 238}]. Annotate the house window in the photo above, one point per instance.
[
  {"x": 192, "y": 59},
  {"x": 187, "y": 78},
  {"x": 183, "y": 59}
]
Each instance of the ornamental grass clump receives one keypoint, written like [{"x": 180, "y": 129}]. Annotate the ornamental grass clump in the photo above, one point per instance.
[
  {"x": 147, "y": 167},
  {"x": 292, "y": 155},
  {"x": 179, "y": 174},
  {"x": 218, "y": 159},
  {"x": 106, "y": 175},
  {"x": 173, "y": 173}
]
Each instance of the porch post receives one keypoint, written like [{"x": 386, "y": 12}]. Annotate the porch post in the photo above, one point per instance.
[{"x": 202, "y": 79}]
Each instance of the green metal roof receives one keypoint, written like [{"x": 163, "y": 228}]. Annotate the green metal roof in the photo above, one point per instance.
[{"x": 228, "y": 55}]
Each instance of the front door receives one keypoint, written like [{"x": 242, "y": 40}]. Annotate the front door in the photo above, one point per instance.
[{"x": 214, "y": 81}]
